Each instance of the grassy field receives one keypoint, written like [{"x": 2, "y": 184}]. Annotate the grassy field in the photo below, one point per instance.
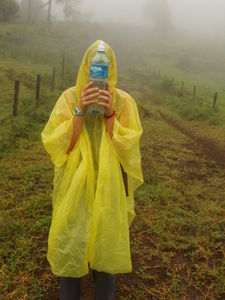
[{"x": 177, "y": 238}]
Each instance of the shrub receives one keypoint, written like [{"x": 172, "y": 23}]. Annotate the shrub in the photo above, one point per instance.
[{"x": 8, "y": 9}]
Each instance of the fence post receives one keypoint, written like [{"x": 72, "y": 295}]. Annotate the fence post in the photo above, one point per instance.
[
  {"x": 16, "y": 95},
  {"x": 215, "y": 98},
  {"x": 53, "y": 79},
  {"x": 38, "y": 89}
]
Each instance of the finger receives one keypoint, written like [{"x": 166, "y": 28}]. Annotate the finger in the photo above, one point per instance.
[
  {"x": 106, "y": 105},
  {"x": 87, "y": 85},
  {"x": 104, "y": 92},
  {"x": 91, "y": 96},
  {"x": 104, "y": 98},
  {"x": 89, "y": 91},
  {"x": 107, "y": 86},
  {"x": 91, "y": 102}
]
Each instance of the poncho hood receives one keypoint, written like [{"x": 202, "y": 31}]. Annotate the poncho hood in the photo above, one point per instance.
[{"x": 83, "y": 74}]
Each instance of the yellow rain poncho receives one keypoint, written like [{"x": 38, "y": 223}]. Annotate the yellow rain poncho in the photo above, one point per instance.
[{"x": 91, "y": 208}]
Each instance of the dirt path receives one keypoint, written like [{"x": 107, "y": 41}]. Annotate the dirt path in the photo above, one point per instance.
[{"x": 208, "y": 146}]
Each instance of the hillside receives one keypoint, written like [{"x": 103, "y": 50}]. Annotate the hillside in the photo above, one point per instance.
[{"x": 177, "y": 239}]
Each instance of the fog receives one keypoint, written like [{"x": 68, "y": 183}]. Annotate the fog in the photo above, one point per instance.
[{"x": 200, "y": 16}]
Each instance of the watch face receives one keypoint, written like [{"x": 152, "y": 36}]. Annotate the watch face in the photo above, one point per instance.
[{"x": 77, "y": 112}]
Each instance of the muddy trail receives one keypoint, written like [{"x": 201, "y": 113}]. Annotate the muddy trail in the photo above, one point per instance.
[{"x": 209, "y": 147}]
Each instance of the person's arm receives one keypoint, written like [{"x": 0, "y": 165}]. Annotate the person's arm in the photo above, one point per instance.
[
  {"x": 107, "y": 104},
  {"x": 109, "y": 125},
  {"x": 77, "y": 127},
  {"x": 85, "y": 100}
]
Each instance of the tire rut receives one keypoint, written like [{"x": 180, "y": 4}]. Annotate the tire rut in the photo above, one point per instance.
[{"x": 209, "y": 148}]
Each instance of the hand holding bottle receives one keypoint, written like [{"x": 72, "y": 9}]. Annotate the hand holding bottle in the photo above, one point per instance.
[
  {"x": 87, "y": 96},
  {"x": 105, "y": 100}
]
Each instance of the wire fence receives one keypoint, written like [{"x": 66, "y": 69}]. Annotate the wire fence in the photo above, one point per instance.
[{"x": 49, "y": 79}]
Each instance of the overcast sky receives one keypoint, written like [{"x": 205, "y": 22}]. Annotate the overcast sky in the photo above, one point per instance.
[{"x": 200, "y": 15}]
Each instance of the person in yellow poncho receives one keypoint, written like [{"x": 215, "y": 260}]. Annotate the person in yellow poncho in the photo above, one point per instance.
[{"x": 97, "y": 168}]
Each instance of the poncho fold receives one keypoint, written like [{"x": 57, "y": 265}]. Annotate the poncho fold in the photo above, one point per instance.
[{"x": 91, "y": 210}]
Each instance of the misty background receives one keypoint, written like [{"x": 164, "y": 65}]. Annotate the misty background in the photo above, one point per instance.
[
  {"x": 205, "y": 17},
  {"x": 185, "y": 39},
  {"x": 199, "y": 16}
]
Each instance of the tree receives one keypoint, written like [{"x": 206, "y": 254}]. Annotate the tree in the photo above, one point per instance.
[
  {"x": 35, "y": 9},
  {"x": 157, "y": 13},
  {"x": 70, "y": 8},
  {"x": 8, "y": 9},
  {"x": 32, "y": 10}
]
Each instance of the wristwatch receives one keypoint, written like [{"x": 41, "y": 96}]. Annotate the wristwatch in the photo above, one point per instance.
[{"x": 77, "y": 112}]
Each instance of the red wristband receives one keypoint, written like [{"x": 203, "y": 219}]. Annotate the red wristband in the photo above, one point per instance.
[{"x": 107, "y": 117}]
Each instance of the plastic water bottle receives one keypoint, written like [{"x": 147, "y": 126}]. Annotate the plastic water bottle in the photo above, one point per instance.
[{"x": 99, "y": 70}]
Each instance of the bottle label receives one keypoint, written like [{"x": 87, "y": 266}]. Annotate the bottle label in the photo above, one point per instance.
[{"x": 99, "y": 70}]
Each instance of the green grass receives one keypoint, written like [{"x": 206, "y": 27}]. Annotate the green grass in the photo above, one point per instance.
[
  {"x": 178, "y": 235},
  {"x": 177, "y": 238}
]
